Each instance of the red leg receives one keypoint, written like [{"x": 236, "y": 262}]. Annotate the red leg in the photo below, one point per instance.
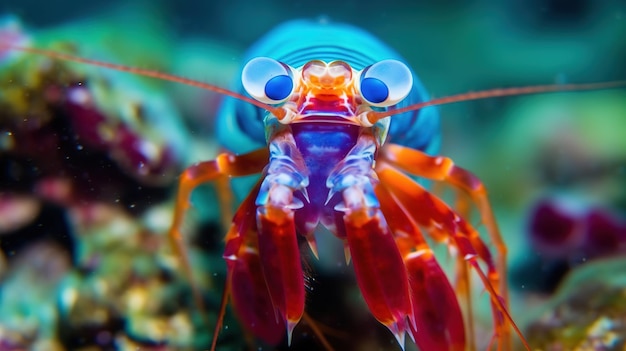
[
  {"x": 437, "y": 321},
  {"x": 443, "y": 169},
  {"x": 246, "y": 281},
  {"x": 378, "y": 265},
  {"x": 225, "y": 165},
  {"x": 278, "y": 243},
  {"x": 431, "y": 212},
  {"x": 280, "y": 260},
  {"x": 258, "y": 298}
]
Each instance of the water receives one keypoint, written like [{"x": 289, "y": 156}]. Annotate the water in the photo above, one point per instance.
[{"x": 104, "y": 246}]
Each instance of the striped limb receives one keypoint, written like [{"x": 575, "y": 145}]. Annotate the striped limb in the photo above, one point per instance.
[
  {"x": 262, "y": 251},
  {"x": 443, "y": 169},
  {"x": 220, "y": 169},
  {"x": 378, "y": 265},
  {"x": 436, "y": 322},
  {"x": 444, "y": 224}
]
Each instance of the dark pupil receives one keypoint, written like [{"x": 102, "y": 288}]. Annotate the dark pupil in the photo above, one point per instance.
[
  {"x": 278, "y": 87},
  {"x": 374, "y": 90}
]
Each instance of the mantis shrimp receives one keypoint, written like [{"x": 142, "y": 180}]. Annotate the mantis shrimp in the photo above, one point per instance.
[{"x": 340, "y": 128}]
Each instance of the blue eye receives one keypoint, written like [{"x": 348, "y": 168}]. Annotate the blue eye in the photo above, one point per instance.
[
  {"x": 267, "y": 80},
  {"x": 385, "y": 83},
  {"x": 374, "y": 90},
  {"x": 279, "y": 88}
]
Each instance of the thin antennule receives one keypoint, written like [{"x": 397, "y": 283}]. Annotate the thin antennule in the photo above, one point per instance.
[
  {"x": 375, "y": 116},
  {"x": 279, "y": 112}
]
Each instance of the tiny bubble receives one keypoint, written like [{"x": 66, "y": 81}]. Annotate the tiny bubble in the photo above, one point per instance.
[
  {"x": 79, "y": 147},
  {"x": 132, "y": 206}
]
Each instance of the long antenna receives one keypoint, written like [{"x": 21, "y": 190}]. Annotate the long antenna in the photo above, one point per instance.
[
  {"x": 372, "y": 116},
  {"x": 375, "y": 116},
  {"x": 144, "y": 72}
]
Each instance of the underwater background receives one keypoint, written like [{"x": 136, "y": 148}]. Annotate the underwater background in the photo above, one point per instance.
[{"x": 85, "y": 262}]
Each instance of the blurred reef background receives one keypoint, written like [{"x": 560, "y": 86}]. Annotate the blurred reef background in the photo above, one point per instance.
[{"x": 89, "y": 159}]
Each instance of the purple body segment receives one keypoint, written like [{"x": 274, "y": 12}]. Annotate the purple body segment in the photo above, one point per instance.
[{"x": 323, "y": 147}]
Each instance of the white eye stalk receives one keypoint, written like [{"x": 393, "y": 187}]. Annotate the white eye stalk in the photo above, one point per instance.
[
  {"x": 267, "y": 80},
  {"x": 385, "y": 83}
]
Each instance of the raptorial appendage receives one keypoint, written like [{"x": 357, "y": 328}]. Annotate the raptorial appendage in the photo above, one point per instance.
[
  {"x": 437, "y": 320},
  {"x": 249, "y": 290},
  {"x": 262, "y": 247},
  {"x": 385, "y": 216},
  {"x": 443, "y": 169},
  {"x": 378, "y": 265},
  {"x": 409, "y": 208},
  {"x": 385, "y": 212}
]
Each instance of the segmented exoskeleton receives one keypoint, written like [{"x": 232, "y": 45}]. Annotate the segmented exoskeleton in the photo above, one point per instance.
[
  {"x": 335, "y": 159},
  {"x": 342, "y": 133}
]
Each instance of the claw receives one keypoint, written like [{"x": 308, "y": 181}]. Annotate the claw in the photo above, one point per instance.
[
  {"x": 378, "y": 266},
  {"x": 346, "y": 253},
  {"x": 280, "y": 261},
  {"x": 310, "y": 239},
  {"x": 251, "y": 297},
  {"x": 437, "y": 321},
  {"x": 225, "y": 165},
  {"x": 399, "y": 331},
  {"x": 434, "y": 212}
]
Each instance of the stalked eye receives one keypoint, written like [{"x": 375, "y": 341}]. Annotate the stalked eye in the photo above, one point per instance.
[
  {"x": 385, "y": 83},
  {"x": 267, "y": 80}
]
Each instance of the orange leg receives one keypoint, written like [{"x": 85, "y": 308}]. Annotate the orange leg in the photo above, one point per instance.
[
  {"x": 226, "y": 201},
  {"x": 433, "y": 214},
  {"x": 264, "y": 276},
  {"x": 224, "y": 166},
  {"x": 443, "y": 169},
  {"x": 463, "y": 287}
]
